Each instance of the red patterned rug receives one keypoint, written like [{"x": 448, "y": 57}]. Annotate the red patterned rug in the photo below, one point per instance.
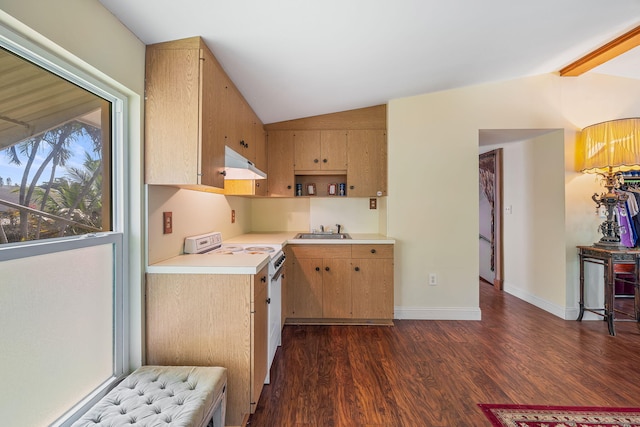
[{"x": 560, "y": 416}]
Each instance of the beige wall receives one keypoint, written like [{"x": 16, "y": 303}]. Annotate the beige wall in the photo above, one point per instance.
[
  {"x": 86, "y": 35},
  {"x": 432, "y": 207},
  {"x": 534, "y": 179},
  {"x": 193, "y": 213},
  {"x": 199, "y": 212}
]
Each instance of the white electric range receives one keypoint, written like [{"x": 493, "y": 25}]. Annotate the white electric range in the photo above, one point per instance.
[{"x": 212, "y": 244}]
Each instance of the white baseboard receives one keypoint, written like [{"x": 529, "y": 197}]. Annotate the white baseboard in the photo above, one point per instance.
[
  {"x": 430, "y": 313},
  {"x": 566, "y": 313}
]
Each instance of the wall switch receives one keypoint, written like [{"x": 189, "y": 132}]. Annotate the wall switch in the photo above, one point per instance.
[
  {"x": 373, "y": 203},
  {"x": 433, "y": 279},
  {"x": 167, "y": 223},
  {"x": 233, "y": 216}
]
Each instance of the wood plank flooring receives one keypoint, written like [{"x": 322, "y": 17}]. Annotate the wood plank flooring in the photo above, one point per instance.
[{"x": 434, "y": 373}]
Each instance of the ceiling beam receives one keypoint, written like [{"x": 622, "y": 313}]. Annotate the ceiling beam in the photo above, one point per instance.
[{"x": 601, "y": 55}]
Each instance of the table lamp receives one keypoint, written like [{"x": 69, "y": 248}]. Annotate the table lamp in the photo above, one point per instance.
[{"x": 608, "y": 149}]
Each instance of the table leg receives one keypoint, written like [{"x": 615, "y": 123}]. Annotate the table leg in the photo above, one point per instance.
[
  {"x": 636, "y": 290},
  {"x": 581, "y": 289},
  {"x": 609, "y": 296}
]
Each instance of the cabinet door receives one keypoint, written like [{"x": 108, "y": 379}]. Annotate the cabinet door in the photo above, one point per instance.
[
  {"x": 372, "y": 288},
  {"x": 333, "y": 150},
  {"x": 336, "y": 289},
  {"x": 367, "y": 163},
  {"x": 247, "y": 136},
  {"x": 307, "y": 288},
  {"x": 212, "y": 152},
  {"x": 307, "y": 150},
  {"x": 172, "y": 124},
  {"x": 260, "y": 332},
  {"x": 260, "y": 142},
  {"x": 280, "y": 174}
]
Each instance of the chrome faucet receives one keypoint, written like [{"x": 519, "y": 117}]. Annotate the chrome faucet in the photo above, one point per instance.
[
  {"x": 339, "y": 227},
  {"x": 322, "y": 228}
]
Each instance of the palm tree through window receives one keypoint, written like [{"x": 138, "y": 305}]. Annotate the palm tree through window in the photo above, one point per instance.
[{"x": 54, "y": 155}]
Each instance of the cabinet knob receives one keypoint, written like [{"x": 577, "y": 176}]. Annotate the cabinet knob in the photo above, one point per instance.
[
  {"x": 257, "y": 184},
  {"x": 317, "y": 268},
  {"x": 288, "y": 187},
  {"x": 351, "y": 187},
  {"x": 326, "y": 269},
  {"x": 268, "y": 300},
  {"x": 223, "y": 173},
  {"x": 324, "y": 160},
  {"x": 315, "y": 160},
  {"x": 263, "y": 279},
  {"x": 357, "y": 269},
  {"x": 373, "y": 251}
]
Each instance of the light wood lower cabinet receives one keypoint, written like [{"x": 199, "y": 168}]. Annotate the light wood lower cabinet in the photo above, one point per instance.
[
  {"x": 212, "y": 320},
  {"x": 340, "y": 283},
  {"x": 372, "y": 281}
]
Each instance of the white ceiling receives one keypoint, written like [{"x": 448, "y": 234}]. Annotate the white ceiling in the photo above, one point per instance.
[{"x": 299, "y": 58}]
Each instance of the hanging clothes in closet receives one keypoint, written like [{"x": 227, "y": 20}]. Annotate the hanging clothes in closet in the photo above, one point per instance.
[{"x": 627, "y": 216}]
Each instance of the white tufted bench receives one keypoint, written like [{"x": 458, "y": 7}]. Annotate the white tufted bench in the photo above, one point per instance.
[{"x": 154, "y": 396}]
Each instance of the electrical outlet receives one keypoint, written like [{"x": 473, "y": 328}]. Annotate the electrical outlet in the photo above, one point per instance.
[
  {"x": 233, "y": 216},
  {"x": 373, "y": 203},
  {"x": 433, "y": 279},
  {"x": 167, "y": 222}
]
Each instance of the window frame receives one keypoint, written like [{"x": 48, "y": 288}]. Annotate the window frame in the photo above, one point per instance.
[{"x": 120, "y": 234}]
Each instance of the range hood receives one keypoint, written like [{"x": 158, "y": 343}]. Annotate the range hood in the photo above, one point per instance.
[{"x": 238, "y": 167}]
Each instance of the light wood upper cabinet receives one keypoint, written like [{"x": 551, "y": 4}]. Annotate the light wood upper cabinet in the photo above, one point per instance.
[
  {"x": 281, "y": 179},
  {"x": 348, "y": 146},
  {"x": 193, "y": 110},
  {"x": 320, "y": 150},
  {"x": 180, "y": 108},
  {"x": 367, "y": 163}
]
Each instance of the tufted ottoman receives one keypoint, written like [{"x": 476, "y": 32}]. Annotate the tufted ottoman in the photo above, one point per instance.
[{"x": 176, "y": 396}]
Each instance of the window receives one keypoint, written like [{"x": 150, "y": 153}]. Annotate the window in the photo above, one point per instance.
[
  {"x": 63, "y": 253},
  {"x": 54, "y": 152}
]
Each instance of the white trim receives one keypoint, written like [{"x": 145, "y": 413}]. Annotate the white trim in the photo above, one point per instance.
[
  {"x": 20, "y": 45},
  {"x": 566, "y": 313},
  {"x": 438, "y": 313}
]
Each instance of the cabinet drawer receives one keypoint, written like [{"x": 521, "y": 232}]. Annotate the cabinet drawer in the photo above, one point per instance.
[
  {"x": 321, "y": 251},
  {"x": 372, "y": 251}
]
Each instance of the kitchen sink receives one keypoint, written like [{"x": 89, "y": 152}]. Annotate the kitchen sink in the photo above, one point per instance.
[{"x": 332, "y": 236}]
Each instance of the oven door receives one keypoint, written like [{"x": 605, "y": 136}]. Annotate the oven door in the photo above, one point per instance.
[{"x": 275, "y": 317}]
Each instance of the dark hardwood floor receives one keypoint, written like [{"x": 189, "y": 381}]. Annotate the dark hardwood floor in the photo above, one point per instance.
[{"x": 434, "y": 373}]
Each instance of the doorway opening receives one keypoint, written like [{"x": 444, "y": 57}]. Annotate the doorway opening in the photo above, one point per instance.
[{"x": 490, "y": 214}]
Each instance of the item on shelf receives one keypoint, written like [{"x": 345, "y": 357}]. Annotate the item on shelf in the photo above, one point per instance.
[
  {"x": 332, "y": 189},
  {"x": 298, "y": 189},
  {"x": 342, "y": 189},
  {"x": 311, "y": 189}
]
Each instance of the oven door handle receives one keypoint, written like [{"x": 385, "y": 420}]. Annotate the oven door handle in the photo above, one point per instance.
[{"x": 277, "y": 274}]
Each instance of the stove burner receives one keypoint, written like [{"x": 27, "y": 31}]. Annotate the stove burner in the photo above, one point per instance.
[
  {"x": 259, "y": 249},
  {"x": 230, "y": 248}
]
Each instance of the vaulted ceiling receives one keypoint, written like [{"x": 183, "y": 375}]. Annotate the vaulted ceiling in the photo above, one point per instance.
[{"x": 298, "y": 58}]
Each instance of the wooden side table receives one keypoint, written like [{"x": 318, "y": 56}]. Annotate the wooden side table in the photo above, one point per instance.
[{"x": 609, "y": 258}]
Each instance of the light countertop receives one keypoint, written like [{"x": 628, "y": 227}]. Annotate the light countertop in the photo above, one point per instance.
[
  {"x": 251, "y": 264},
  {"x": 284, "y": 238}
]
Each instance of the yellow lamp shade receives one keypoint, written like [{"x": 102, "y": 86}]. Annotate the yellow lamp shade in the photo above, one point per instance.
[{"x": 609, "y": 146}]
